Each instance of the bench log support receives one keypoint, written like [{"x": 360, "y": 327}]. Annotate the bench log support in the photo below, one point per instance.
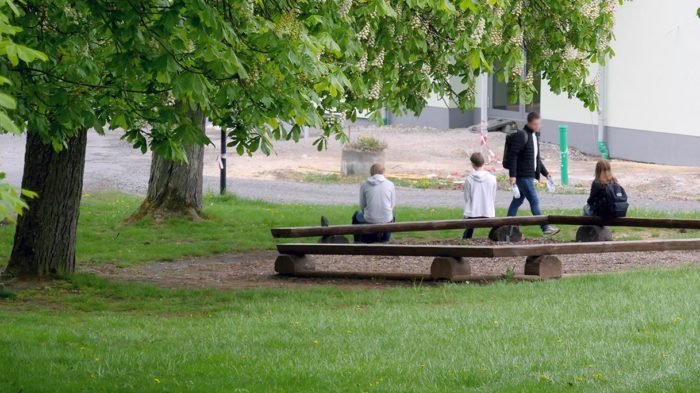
[
  {"x": 545, "y": 266},
  {"x": 593, "y": 233},
  {"x": 506, "y": 233},
  {"x": 447, "y": 268},
  {"x": 290, "y": 265}
]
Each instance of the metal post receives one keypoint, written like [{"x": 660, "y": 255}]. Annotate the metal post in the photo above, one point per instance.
[
  {"x": 222, "y": 164},
  {"x": 602, "y": 102},
  {"x": 564, "y": 150}
]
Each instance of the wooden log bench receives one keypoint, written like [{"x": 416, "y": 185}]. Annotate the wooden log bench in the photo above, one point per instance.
[
  {"x": 493, "y": 223},
  {"x": 449, "y": 261},
  {"x": 452, "y": 262}
]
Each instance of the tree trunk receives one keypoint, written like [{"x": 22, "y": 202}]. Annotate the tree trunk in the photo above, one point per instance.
[
  {"x": 175, "y": 188},
  {"x": 45, "y": 233}
]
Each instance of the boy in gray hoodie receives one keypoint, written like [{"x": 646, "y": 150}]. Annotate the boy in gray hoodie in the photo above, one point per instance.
[
  {"x": 377, "y": 202},
  {"x": 479, "y": 193}
]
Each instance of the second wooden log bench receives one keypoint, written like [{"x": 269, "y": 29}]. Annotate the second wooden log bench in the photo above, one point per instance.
[{"x": 450, "y": 260}]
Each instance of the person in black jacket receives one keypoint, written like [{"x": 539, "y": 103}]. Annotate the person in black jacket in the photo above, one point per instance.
[
  {"x": 525, "y": 167},
  {"x": 597, "y": 200}
]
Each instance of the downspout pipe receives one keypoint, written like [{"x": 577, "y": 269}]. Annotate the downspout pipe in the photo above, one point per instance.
[{"x": 602, "y": 102}]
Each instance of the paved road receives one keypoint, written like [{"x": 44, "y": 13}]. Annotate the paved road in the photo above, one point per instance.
[{"x": 113, "y": 164}]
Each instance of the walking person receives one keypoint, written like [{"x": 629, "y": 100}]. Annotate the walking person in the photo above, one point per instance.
[
  {"x": 525, "y": 166},
  {"x": 479, "y": 193}
]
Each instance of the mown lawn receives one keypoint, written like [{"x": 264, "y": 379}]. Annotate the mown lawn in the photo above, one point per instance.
[
  {"x": 237, "y": 225},
  {"x": 631, "y": 332}
]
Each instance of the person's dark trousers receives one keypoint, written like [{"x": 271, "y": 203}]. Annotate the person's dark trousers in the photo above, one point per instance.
[
  {"x": 469, "y": 232},
  {"x": 526, "y": 185},
  {"x": 359, "y": 219}
]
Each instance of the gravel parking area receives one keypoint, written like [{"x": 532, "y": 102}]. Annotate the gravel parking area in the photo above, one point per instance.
[{"x": 112, "y": 164}]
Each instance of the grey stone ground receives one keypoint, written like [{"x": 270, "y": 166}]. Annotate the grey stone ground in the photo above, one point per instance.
[{"x": 113, "y": 164}]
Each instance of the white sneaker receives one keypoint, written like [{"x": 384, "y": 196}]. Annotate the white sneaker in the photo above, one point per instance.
[{"x": 551, "y": 231}]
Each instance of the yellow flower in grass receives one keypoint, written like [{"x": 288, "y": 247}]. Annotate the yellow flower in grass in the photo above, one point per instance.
[
  {"x": 157, "y": 381},
  {"x": 580, "y": 378},
  {"x": 545, "y": 378}
]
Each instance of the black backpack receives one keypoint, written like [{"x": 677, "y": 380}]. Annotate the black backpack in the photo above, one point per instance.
[
  {"x": 510, "y": 139},
  {"x": 613, "y": 203}
]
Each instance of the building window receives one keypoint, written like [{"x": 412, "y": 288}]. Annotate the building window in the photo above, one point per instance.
[{"x": 501, "y": 104}]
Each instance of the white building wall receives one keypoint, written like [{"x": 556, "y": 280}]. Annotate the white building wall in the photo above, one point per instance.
[
  {"x": 653, "y": 87},
  {"x": 654, "y": 78}
]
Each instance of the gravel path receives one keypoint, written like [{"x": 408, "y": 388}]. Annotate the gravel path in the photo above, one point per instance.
[
  {"x": 294, "y": 192},
  {"x": 113, "y": 164}
]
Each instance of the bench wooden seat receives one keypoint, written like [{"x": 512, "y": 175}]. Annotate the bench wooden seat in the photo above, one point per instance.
[
  {"x": 410, "y": 226},
  {"x": 449, "y": 260},
  {"x": 511, "y": 250}
]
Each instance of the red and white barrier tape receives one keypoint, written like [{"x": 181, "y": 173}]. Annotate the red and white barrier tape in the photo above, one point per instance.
[{"x": 490, "y": 155}]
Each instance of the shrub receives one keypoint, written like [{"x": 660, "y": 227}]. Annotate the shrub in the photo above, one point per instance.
[{"x": 367, "y": 144}]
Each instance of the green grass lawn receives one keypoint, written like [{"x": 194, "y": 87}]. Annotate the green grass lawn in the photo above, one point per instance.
[
  {"x": 630, "y": 332},
  {"x": 236, "y": 225}
]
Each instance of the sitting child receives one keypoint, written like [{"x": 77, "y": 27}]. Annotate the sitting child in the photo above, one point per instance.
[
  {"x": 479, "y": 193},
  {"x": 377, "y": 202},
  {"x": 607, "y": 199}
]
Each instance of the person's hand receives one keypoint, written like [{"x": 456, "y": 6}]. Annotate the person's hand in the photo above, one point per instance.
[
  {"x": 542, "y": 180},
  {"x": 512, "y": 181}
]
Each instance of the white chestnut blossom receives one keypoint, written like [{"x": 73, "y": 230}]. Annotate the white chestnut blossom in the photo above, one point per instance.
[
  {"x": 496, "y": 37},
  {"x": 517, "y": 70},
  {"x": 416, "y": 23},
  {"x": 516, "y": 39},
  {"x": 518, "y": 8},
  {"x": 596, "y": 80},
  {"x": 362, "y": 64},
  {"x": 375, "y": 91},
  {"x": 364, "y": 33},
  {"x": 590, "y": 9},
  {"x": 379, "y": 60},
  {"x": 530, "y": 78},
  {"x": 610, "y": 6},
  {"x": 371, "y": 41},
  {"x": 345, "y": 8},
  {"x": 479, "y": 31}
]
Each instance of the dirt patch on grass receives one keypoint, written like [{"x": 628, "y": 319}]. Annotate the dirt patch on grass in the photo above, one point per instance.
[{"x": 256, "y": 269}]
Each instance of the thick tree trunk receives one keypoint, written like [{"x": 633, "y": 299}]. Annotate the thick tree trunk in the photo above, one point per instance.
[
  {"x": 174, "y": 188},
  {"x": 45, "y": 234}
]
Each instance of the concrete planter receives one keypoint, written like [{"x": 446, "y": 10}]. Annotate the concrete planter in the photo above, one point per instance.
[{"x": 355, "y": 162}]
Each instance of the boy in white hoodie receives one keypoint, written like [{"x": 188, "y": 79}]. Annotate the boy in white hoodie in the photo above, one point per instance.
[
  {"x": 377, "y": 202},
  {"x": 479, "y": 193}
]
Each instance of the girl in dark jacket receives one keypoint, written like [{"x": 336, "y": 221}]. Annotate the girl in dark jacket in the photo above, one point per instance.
[{"x": 603, "y": 177}]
